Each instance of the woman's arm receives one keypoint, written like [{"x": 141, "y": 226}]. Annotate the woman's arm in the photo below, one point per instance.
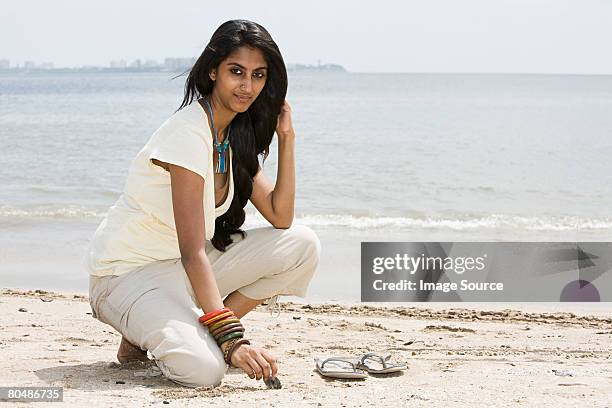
[
  {"x": 187, "y": 203},
  {"x": 187, "y": 192},
  {"x": 277, "y": 203}
]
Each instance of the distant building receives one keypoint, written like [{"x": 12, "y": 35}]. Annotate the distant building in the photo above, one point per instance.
[
  {"x": 178, "y": 64},
  {"x": 136, "y": 64},
  {"x": 5, "y": 64},
  {"x": 316, "y": 68},
  {"x": 118, "y": 64},
  {"x": 150, "y": 63},
  {"x": 29, "y": 64}
]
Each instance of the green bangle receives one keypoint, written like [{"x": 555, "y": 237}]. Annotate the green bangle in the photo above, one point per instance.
[
  {"x": 228, "y": 331},
  {"x": 228, "y": 337}
]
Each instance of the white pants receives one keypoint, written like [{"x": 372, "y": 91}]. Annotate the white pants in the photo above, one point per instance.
[{"x": 154, "y": 306}]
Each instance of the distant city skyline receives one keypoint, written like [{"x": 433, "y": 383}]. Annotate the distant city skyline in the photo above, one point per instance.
[
  {"x": 168, "y": 64},
  {"x": 437, "y": 36},
  {"x": 116, "y": 63}
]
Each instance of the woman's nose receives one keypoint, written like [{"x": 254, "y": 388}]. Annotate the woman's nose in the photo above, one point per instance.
[{"x": 246, "y": 85}]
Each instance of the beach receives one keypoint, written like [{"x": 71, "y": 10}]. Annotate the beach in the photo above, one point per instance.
[
  {"x": 460, "y": 190},
  {"x": 457, "y": 355},
  {"x": 463, "y": 157}
]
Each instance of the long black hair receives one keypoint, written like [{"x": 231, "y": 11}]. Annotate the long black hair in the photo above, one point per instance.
[{"x": 252, "y": 130}]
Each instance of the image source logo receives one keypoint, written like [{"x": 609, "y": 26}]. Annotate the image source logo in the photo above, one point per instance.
[{"x": 486, "y": 271}]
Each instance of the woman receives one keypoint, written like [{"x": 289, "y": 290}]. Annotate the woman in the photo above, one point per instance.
[{"x": 170, "y": 268}]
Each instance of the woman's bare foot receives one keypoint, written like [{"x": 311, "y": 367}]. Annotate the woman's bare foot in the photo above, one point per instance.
[{"x": 128, "y": 352}]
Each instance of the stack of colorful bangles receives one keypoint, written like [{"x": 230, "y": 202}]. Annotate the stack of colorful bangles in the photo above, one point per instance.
[{"x": 225, "y": 326}]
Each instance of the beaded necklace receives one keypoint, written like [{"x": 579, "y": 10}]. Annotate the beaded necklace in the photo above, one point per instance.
[{"x": 219, "y": 147}]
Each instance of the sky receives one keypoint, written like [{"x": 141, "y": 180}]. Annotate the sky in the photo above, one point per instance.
[{"x": 476, "y": 36}]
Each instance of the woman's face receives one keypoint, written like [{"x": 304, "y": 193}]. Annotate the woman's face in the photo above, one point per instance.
[{"x": 240, "y": 78}]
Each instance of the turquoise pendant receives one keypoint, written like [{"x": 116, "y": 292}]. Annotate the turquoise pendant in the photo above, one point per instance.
[{"x": 221, "y": 148}]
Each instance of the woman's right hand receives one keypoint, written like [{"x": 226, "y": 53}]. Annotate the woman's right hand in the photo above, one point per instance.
[{"x": 254, "y": 361}]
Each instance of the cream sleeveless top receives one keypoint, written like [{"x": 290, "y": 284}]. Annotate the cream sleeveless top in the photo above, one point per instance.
[{"x": 139, "y": 228}]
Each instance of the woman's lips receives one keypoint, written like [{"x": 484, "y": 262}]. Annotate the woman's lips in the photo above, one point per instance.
[{"x": 243, "y": 99}]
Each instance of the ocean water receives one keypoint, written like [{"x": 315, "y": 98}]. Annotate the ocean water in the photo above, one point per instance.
[{"x": 380, "y": 157}]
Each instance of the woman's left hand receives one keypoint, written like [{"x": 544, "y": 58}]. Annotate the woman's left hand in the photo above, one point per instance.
[{"x": 284, "y": 125}]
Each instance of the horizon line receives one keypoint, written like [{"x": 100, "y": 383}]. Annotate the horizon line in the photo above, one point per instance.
[{"x": 145, "y": 70}]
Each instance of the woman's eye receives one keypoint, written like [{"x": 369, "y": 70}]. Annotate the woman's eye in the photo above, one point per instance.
[{"x": 238, "y": 71}]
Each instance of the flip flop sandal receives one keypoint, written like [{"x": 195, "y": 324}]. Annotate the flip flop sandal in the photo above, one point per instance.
[
  {"x": 339, "y": 367},
  {"x": 374, "y": 363}
]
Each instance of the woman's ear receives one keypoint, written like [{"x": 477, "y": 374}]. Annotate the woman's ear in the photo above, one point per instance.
[{"x": 212, "y": 74}]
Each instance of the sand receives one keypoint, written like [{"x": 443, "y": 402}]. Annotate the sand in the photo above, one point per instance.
[{"x": 465, "y": 357}]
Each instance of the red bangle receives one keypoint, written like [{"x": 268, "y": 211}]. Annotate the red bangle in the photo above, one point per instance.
[
  {"x": 213, "y": 314},
  {"x": 219, "y": 317}
]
